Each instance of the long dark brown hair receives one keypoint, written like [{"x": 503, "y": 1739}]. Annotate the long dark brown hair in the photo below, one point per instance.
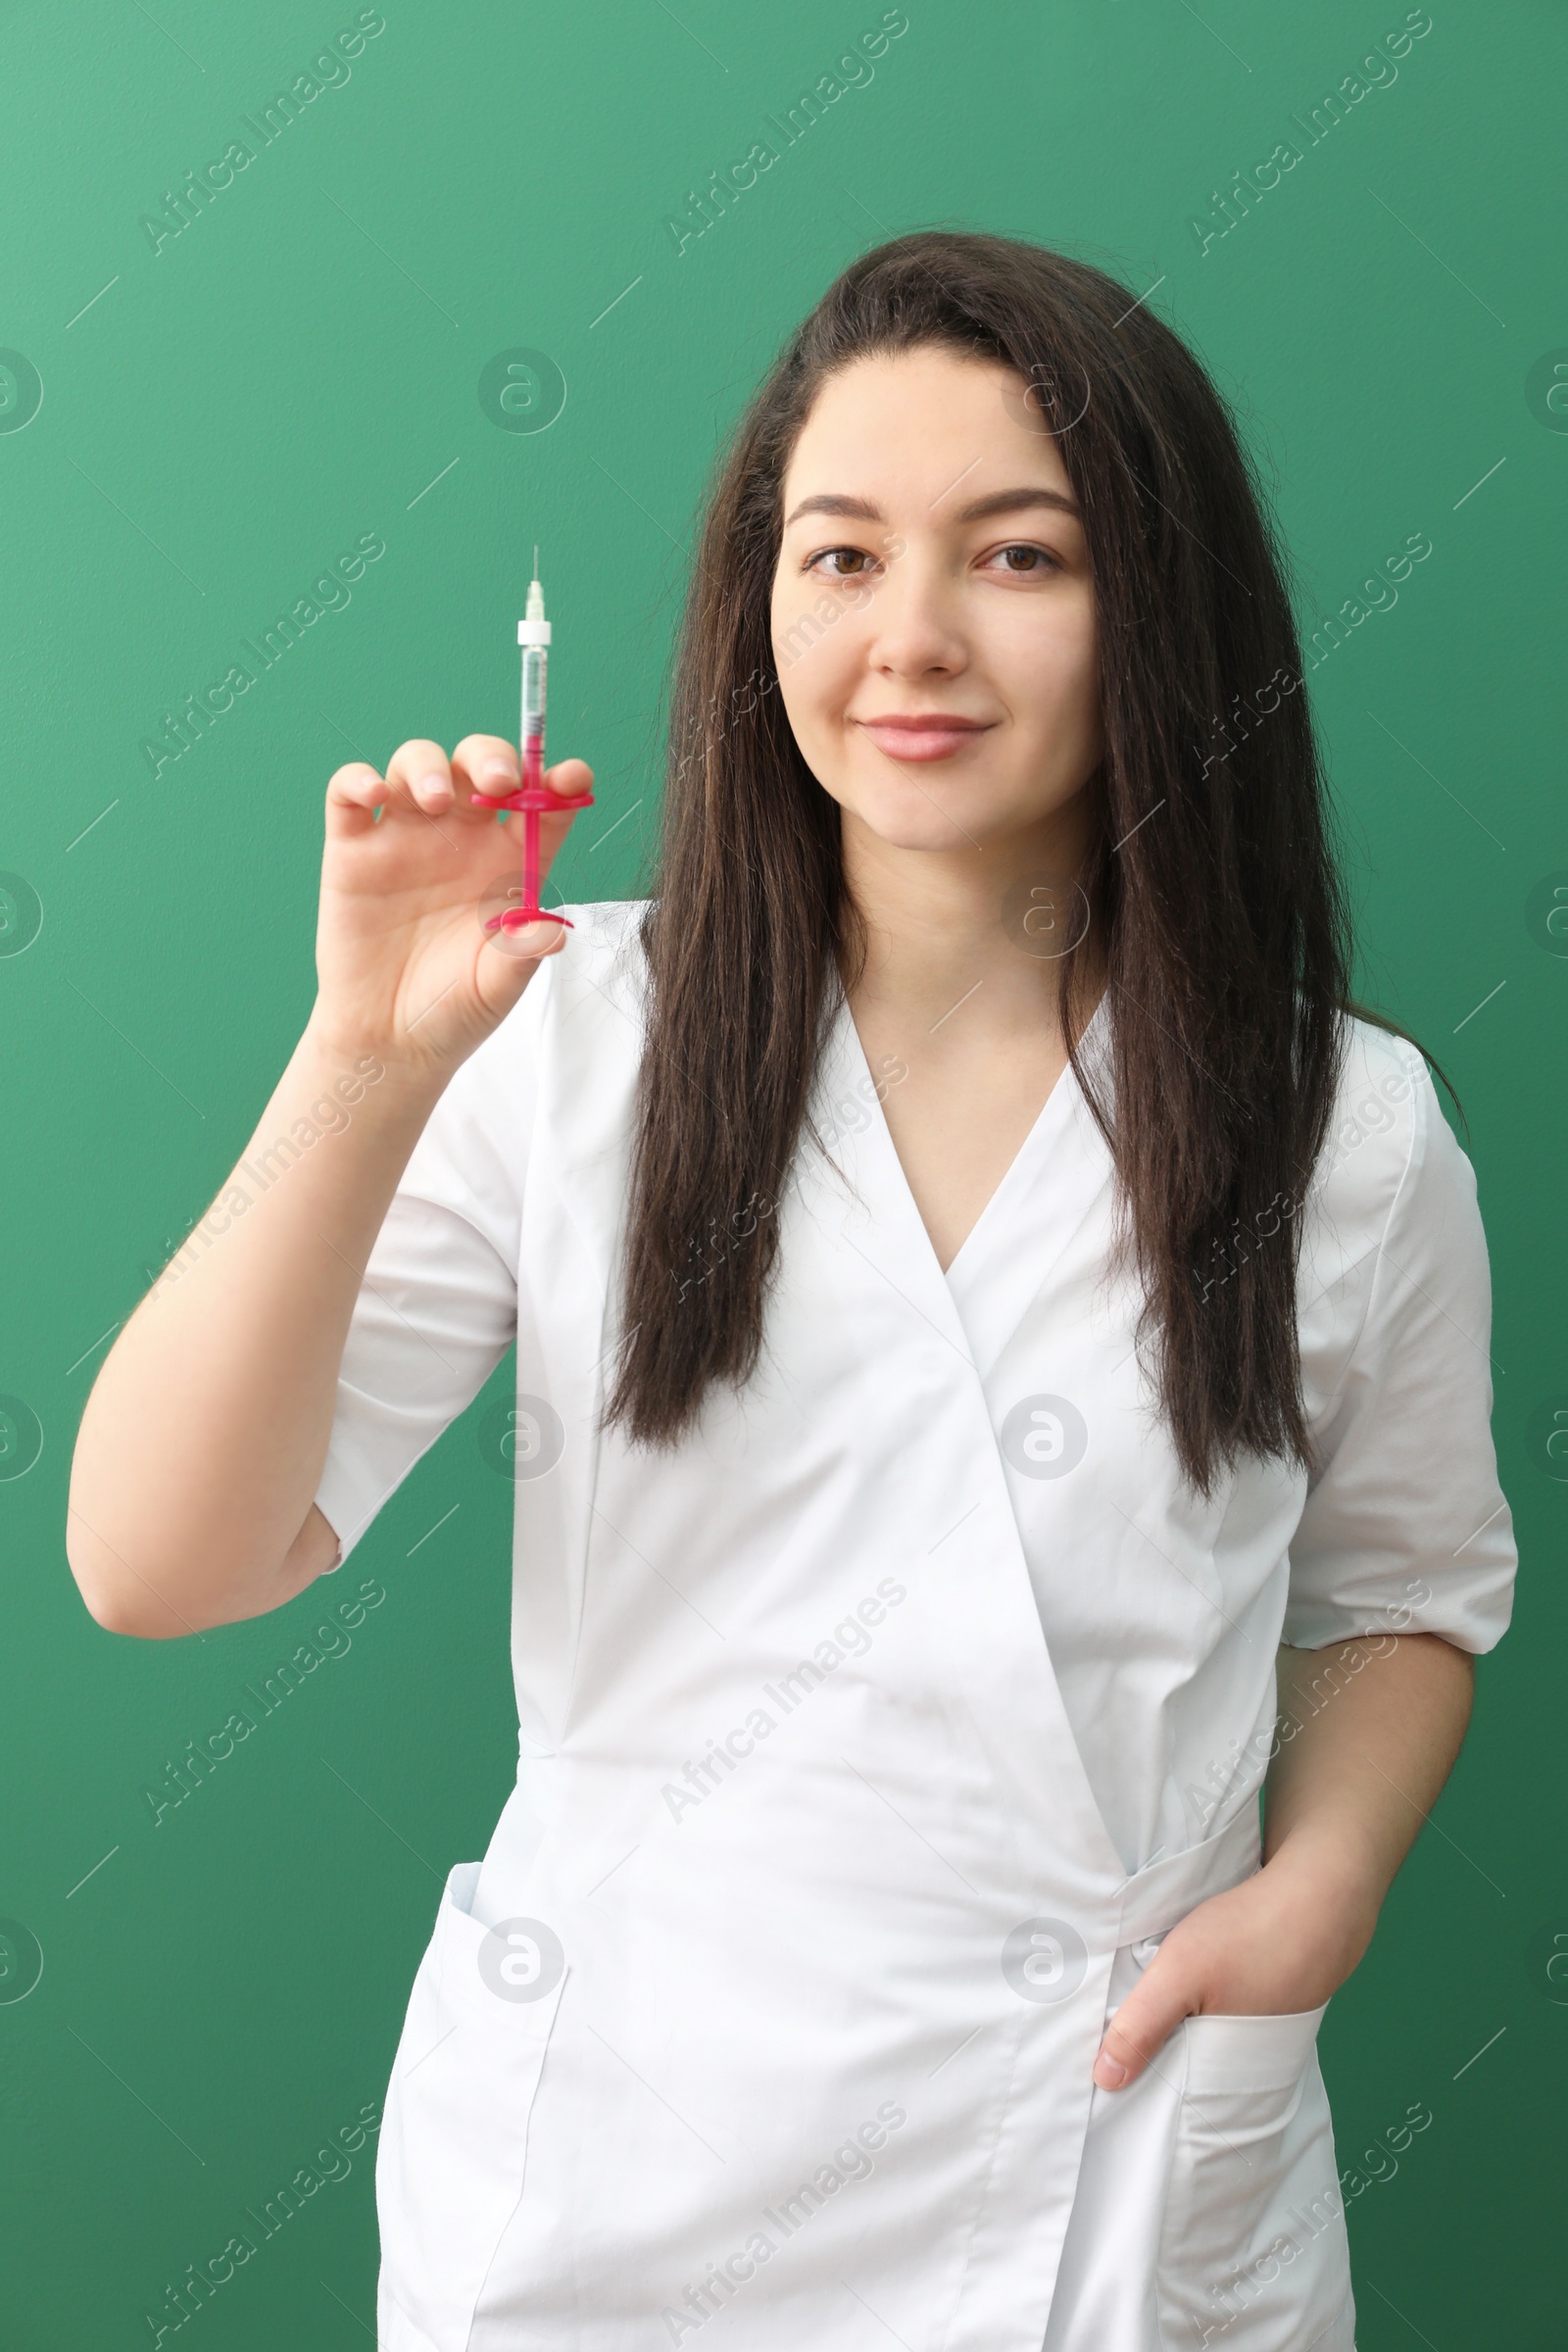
[{"x": 1222, "y": 922}]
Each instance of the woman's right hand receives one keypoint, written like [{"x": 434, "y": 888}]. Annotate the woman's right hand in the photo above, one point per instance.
[{"x": 405, "y": 969}]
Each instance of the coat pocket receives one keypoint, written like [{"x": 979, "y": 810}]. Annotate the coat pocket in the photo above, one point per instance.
[
  {"x": 1252, "y": 2136},
  {"x": 454, "y": 2139}
]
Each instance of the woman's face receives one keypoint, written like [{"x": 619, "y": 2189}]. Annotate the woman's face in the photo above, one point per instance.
[{"x": 933, "y": 568}]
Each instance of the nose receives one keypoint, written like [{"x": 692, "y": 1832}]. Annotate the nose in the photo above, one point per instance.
[{"x": 916, "y": 620}]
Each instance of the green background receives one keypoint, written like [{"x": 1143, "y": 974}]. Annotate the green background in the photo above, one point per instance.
[{"x": 301, "y": 366}]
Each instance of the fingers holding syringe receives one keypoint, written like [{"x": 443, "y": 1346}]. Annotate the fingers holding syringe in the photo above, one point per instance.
[
  {"x": 571, "y": 778},
  {"x": 487, "y": 764},
  {"x": 417, "y": 776}
]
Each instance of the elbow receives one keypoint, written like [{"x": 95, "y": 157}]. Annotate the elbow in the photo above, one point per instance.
[
  {"x": 140, "y": 1619},
  {"x": 118, "y": 1601},
  {"x": 117, "y": 1620},
  {"x": 111, "y": 1607}
]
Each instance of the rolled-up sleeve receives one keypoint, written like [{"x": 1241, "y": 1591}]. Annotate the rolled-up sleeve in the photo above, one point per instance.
[
  {"x": 1405, "y": 1528},
  {"x": 438, "y": 1309}
]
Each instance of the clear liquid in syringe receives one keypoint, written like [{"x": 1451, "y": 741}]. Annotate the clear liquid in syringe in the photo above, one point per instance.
[{"x": 534, "y": 658}]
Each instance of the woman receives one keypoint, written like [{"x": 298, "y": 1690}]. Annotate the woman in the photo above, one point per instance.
[{"x": 978, "y": 1291}]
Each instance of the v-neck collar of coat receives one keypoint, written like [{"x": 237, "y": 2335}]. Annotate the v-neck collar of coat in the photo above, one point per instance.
[
  {"x": 1058, "y": 1114},
  {"x": 892, "y": 1234}
]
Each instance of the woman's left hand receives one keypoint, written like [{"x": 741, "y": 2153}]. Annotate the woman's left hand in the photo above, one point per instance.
[
  {"x": 1367, "y": 1733},
  {"x": 1283, "y": 1941}
]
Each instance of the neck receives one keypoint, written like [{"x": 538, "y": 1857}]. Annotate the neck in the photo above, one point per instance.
[{"x": 944, "y": 925}]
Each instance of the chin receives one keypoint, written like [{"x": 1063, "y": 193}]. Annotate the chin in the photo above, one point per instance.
[{"x": 942, "y": 812}]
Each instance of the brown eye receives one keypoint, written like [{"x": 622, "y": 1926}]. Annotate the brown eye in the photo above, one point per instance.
[
  {"x": 1023, "y": 560},
  {"x": 857, "y": 556}
]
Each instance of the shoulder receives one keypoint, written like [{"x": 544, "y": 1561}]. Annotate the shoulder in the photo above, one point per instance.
[
  {"x": 1390, "y": 1155},
  {"x": 1380, "y": 1126},
  {"x": 579, "y": 1017},
  {"x": 601, "y": 963},
  {"x": 605, "y": 948},
  {"x": 1391, "y": 1212},
  {"x": 595, "y": 987}
]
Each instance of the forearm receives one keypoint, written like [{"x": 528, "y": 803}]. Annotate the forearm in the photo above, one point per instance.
[
  {"x": 1367, "y": 1733},
  {"x": 205, "y": 1435}
]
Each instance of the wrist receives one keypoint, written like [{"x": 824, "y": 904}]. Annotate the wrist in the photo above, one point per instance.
[{"x": 354, "y": 1066}]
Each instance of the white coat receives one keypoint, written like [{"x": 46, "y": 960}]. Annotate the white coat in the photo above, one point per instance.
[{"x": 870, "y": 1738}]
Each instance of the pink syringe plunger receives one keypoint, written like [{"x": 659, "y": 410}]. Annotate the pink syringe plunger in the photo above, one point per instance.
[{"x": 535, "y": 797}]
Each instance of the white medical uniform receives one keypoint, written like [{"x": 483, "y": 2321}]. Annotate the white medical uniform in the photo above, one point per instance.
[{"x": 872, "y": 1738}]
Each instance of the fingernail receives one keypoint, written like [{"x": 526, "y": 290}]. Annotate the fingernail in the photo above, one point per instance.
[
  {"x": 433, "y": 782},
  {"x": 531, "y": 939},
  {"x": 497, "y": 774},
  {"x": 1109, "y": 2074}
]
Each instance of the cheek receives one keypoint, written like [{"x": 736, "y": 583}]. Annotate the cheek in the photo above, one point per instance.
[
  {"x": 1075, "y": 654},
  {"x": 1060, "y": 674},
  {"x": 817, "y": 653}
]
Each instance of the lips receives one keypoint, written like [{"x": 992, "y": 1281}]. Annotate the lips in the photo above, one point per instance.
[{"x": 928, "y": 737}]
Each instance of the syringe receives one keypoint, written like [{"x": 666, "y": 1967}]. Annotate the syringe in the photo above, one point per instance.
[
  {"x": 533, "y": 635},
  {"x": 535, "y": 797}
]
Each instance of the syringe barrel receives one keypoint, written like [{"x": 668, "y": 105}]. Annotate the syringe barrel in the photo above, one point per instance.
[{"x": 533, "y": 691}]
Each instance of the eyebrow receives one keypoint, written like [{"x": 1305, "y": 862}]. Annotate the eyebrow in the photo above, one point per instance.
[{"x": 978, "y": 510}]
